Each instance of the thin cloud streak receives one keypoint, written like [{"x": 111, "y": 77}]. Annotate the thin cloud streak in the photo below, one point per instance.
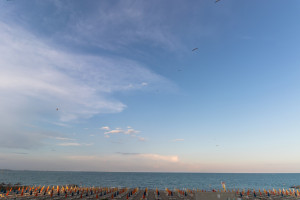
[
  {"x": 67, "y": 144},
  {"x": 126, "y": 154},
  {"x": 114, "y": 132},
  {"x": 178, "y": 140},
  {"x": 63, "y": 138},
  {"x": 152, "y": 156}
]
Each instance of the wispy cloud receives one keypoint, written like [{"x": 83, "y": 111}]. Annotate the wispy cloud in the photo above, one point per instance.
[
  {"x": 141, "y": 139},
  {"x": 129, "y": 131},
  {"x": 178, "y": 140},
  {"x": 127, "y": 154},
  {"x": 113, "y": 132},
  {"x": 105, "y": 128},
  {"x": 161, "y": 157},
  {"x": 133, "y": 162},
  {"x": 66, "y": 144},
  {"x": 130, "y": 22},
  {"x": 82, "y": 158},
  {"x": 20, "y": 153},
  {"x": 60, "y": 124},
  {"x": 69, "y": 144},
  {"x": 152, "y": 156},
  {"x": 36, "y": 78},
  {"x": 63, "y": 138}
]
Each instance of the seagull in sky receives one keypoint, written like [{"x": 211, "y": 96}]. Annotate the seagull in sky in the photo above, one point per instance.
[
  {"x": 217, "y": 1},
  {"x": 56, "y": 109},
  {"x": 194, "y": 49}
]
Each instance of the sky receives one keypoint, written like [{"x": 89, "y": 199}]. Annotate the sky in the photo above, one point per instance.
[{"x": 116, "y": 86}]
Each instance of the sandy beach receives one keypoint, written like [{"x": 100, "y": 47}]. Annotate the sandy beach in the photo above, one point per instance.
[{"x": 65, "y": 192}]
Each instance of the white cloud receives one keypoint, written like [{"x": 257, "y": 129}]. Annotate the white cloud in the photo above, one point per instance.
[
  {"x": 80, "y": 85},
  {"x": 114, "y": 131},
  {"x": 105, "y": 128},
  {"x": 66, "y": 144},
  {"x": 131, "y": 131},
  {"x": 35, "y": 71},
  {"x": 36, "y": 78}
]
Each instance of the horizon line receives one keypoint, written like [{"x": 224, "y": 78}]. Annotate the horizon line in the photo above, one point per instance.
[{"x": 151, "y": 172}]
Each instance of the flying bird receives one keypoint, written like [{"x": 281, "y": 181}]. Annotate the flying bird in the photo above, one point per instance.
[
  {"x": 217, "y": 1},
  {"x": 56, "y": 109},
  {"x": 196, "y": 48}
]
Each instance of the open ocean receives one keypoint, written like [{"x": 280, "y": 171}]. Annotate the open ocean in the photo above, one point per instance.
[{"x": 205, "y": 181}]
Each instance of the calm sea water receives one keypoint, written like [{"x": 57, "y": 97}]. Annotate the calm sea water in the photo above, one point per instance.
[{"x": 151, "y": 180}]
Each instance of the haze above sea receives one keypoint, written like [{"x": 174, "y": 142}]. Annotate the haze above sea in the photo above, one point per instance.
[{"x": 206, "y": 181}]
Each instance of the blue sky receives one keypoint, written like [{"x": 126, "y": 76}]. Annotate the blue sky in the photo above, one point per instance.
[{"x": 133, "y": 96}]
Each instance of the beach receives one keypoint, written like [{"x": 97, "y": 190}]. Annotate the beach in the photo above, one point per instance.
[{"x": 74, "y": 192}]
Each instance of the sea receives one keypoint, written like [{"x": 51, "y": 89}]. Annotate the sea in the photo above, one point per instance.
[{"x": 205, "y": 181}]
